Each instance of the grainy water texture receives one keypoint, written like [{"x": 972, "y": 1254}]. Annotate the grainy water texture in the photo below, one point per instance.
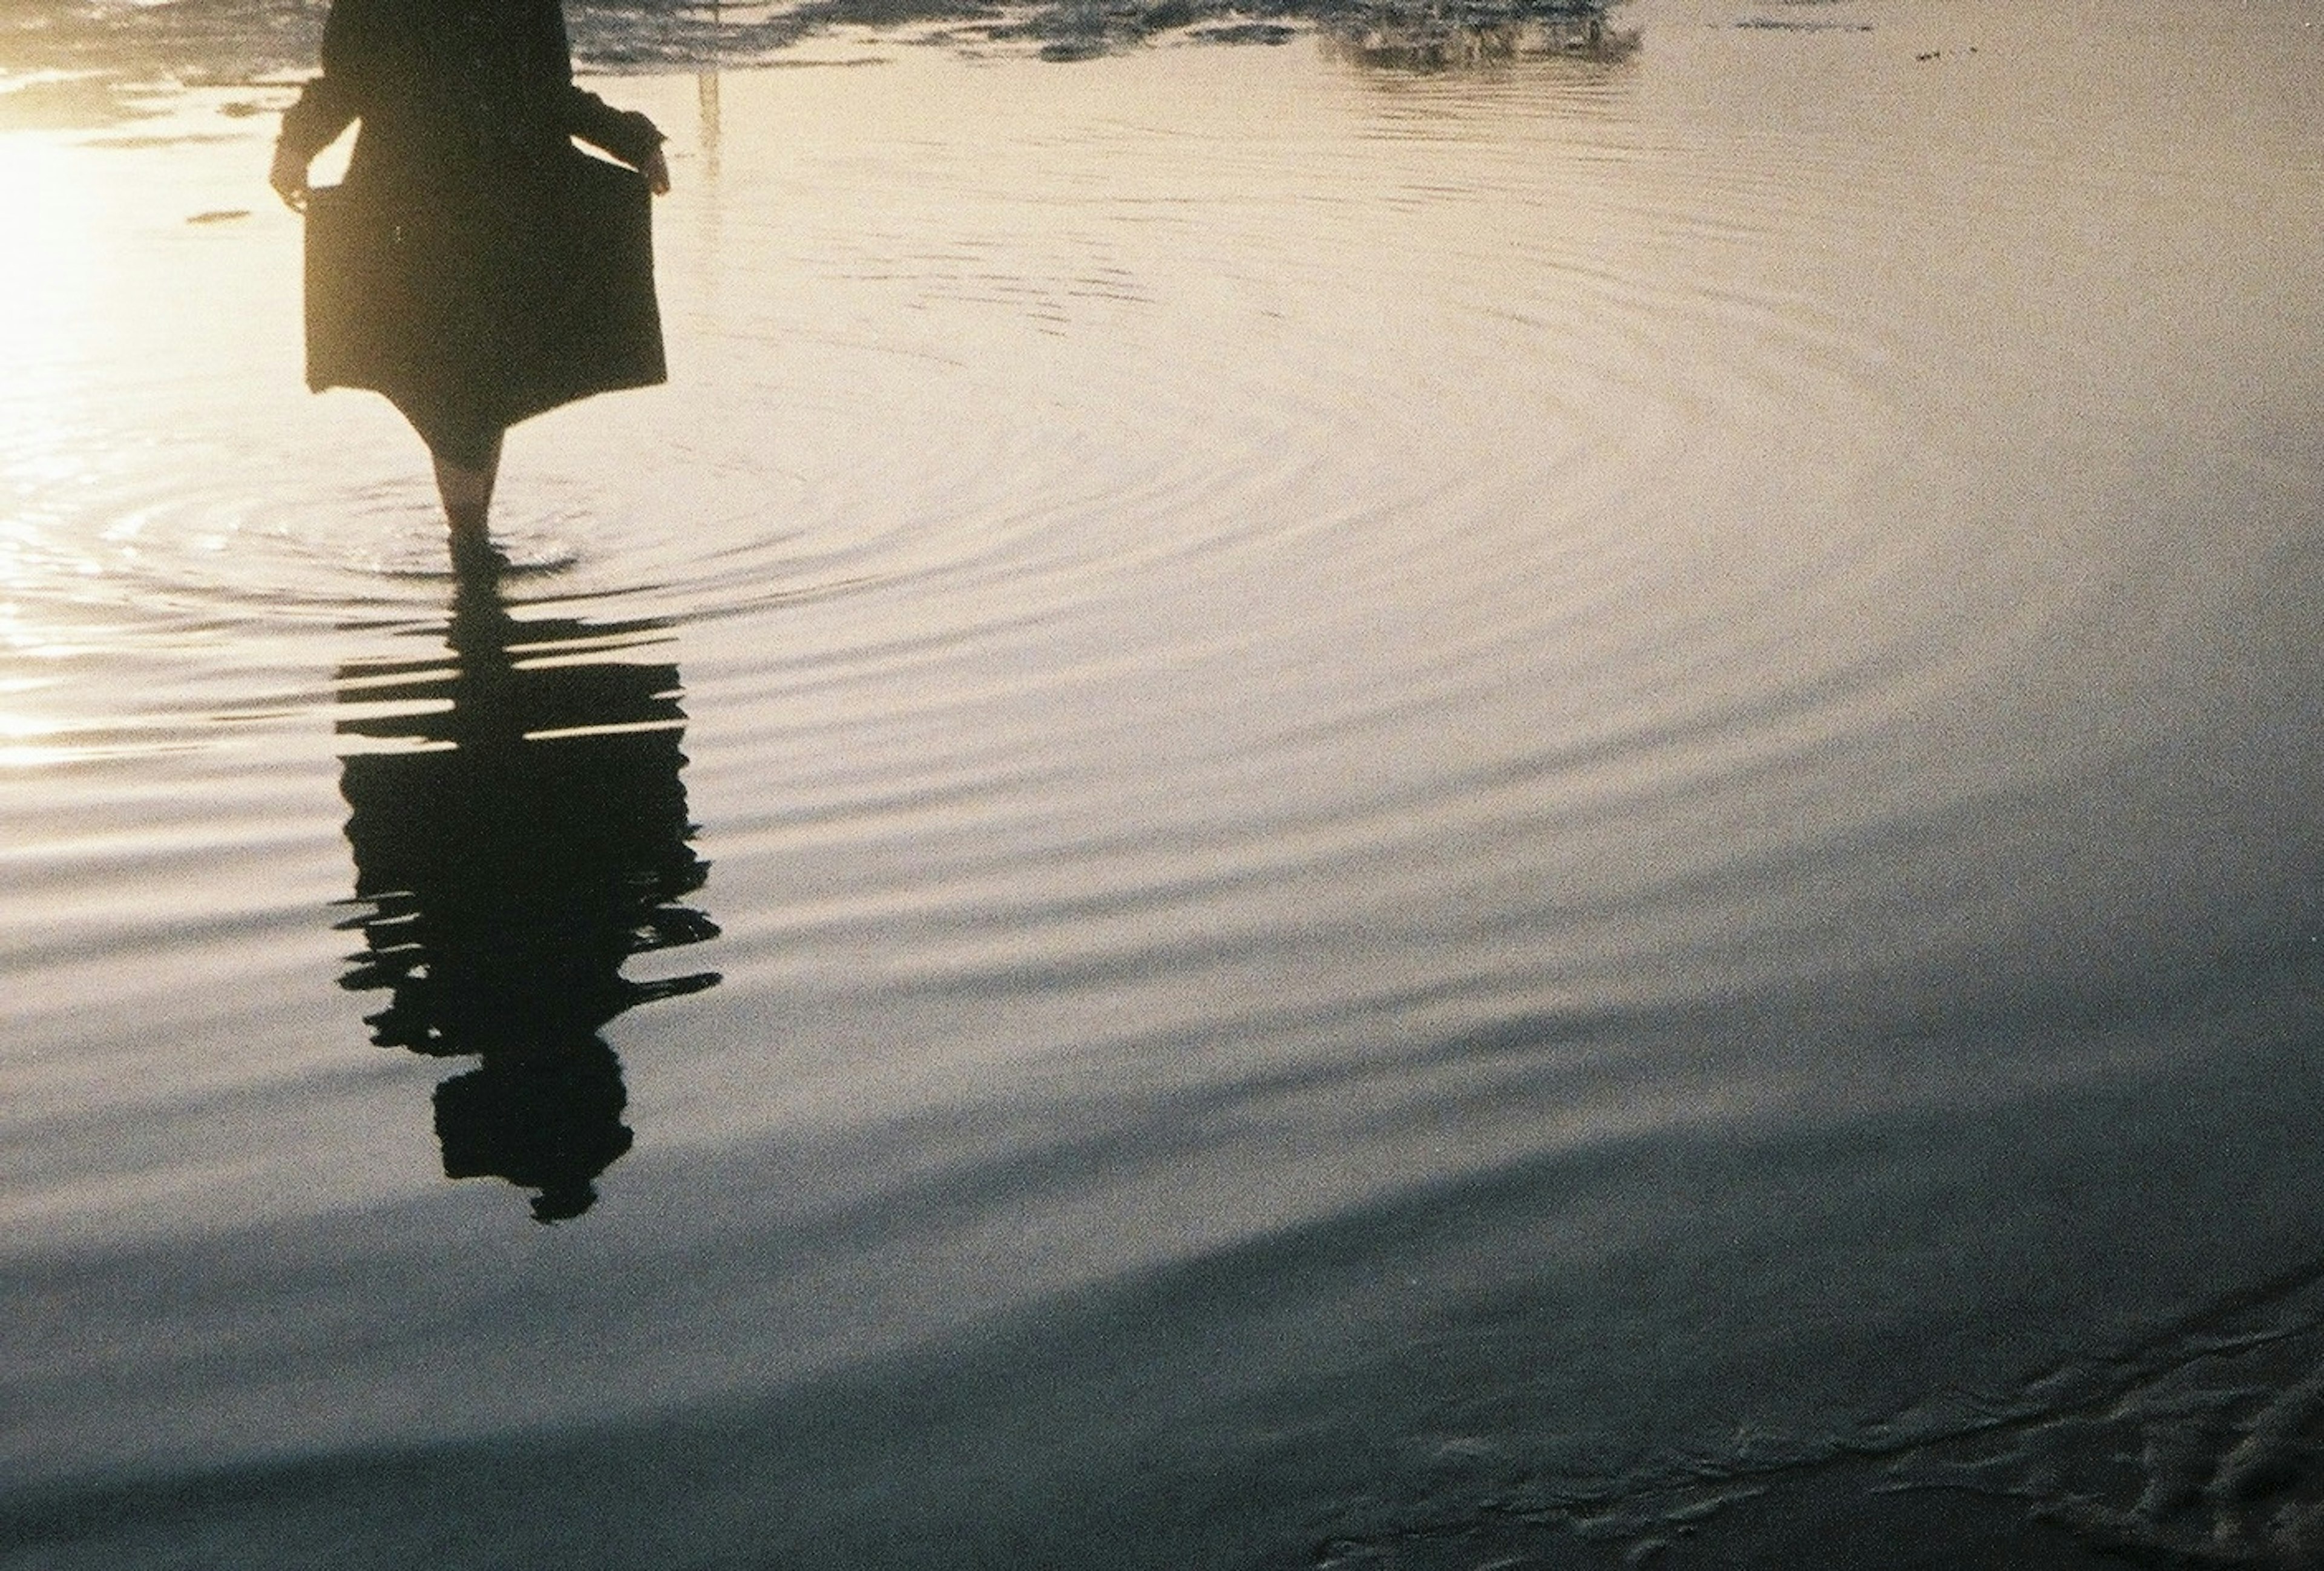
[{"x": 1423, "y": 799}]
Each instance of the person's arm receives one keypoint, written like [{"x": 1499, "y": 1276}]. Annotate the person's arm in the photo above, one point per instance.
[
  {"x": 625, "y": 134},
  {"x": 325, "y": 106}
]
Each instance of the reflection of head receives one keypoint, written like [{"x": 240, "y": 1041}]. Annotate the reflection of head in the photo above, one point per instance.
[
  {"x": 519, "y": 831},
  {"x": 550, "y": 1124}
]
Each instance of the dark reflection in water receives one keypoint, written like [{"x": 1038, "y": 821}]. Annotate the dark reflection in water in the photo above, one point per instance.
[{"x": 514, "y": 850}]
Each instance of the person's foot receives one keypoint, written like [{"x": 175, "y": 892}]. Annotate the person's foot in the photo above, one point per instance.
[{"x": 473, "y": 552}]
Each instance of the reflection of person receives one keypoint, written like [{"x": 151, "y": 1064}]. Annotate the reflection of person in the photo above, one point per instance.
[
  {"x": 490, "y": 269},
  {"x": 550, "y": 1124},
  {"x": 514, "y": 852}
]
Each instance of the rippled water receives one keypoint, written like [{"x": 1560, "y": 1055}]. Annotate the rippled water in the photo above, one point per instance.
[{"x": 1390, "y": 802}]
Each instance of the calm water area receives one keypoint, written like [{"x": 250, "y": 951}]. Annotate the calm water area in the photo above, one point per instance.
[{"x": 1402, "y": 801}]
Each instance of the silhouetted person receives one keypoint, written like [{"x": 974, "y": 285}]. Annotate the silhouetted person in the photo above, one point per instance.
[
  {"x": 474, "y": 266},
  {"x": 517, "y": 850}
]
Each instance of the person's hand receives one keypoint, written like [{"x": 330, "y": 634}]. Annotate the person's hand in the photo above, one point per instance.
[
  {"x": 288, "y": 178},
  {"x": 656, "y": 169}
]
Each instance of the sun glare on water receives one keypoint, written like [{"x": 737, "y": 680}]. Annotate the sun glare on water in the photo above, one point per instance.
[
  {"x": 48, "y": 260},
  {"x": 54, "y": 325},
  {"x": 51, "y": 322}
]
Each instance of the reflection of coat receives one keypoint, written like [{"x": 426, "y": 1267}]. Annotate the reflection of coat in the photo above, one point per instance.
[
  {"x": 475, "y": 266},
  {"x": 536, "y": 843}
]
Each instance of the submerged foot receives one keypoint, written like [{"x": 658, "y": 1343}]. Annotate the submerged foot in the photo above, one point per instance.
[{"x": 474, "y": 552}]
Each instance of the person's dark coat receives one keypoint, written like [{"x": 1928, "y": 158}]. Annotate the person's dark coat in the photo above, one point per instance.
[{"x": 474, "y": 266}]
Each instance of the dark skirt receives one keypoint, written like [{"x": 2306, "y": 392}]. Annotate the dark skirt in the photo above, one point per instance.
[{"x": 475, "y": 308}]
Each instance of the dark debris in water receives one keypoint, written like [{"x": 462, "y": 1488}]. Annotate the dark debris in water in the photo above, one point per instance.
[
  {"x": 99, "y": 44},
  {"x": 1430, "y": 46},
  {"x": 663, "y": 37},
  {"x": 191, "y": 41},
  {"x": 1790, "y": 25},
  {"x": 1075, "y": 30},
  {"x": 1268, "y": 32}
]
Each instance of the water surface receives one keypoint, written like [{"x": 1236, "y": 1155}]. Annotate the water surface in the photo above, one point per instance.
[{"x": 1386, "y": 802}]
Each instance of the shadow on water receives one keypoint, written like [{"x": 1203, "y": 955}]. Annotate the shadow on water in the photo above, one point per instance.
[{"x": 519, "y": 831}]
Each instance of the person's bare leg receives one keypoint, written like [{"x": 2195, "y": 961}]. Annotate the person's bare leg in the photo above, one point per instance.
[{"x": 467, "y": 494}]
